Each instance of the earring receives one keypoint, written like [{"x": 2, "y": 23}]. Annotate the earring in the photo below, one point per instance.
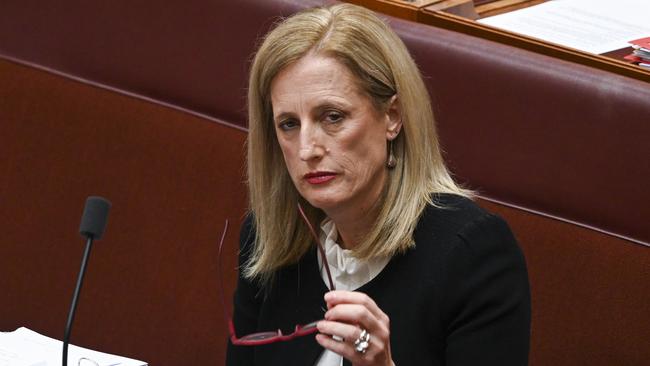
[{"x": 392, "y": 162}]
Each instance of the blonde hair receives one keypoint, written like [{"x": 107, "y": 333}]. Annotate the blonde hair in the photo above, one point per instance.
[{"x": 376, "y": 56}]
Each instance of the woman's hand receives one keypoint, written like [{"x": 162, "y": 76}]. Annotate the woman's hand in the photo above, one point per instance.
[{"x": 349, "y": 313}]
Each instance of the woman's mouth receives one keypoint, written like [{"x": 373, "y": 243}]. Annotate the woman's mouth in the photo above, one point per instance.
[{"x": 319, "y": 177}]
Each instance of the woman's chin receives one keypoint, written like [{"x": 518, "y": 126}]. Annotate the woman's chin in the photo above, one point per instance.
[{"x": 323, "y": 203}]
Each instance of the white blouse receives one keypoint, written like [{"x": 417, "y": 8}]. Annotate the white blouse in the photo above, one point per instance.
[{"x": 348, "y": 273}]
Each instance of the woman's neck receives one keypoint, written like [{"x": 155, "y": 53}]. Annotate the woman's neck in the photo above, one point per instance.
[{"x": 354, "y": 225}]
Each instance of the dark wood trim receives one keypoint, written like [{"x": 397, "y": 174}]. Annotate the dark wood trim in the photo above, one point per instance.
[{"x": 405, "y": 10}]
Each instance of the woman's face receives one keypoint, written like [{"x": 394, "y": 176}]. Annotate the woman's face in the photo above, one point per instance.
[{"x": 332, "y": 137}]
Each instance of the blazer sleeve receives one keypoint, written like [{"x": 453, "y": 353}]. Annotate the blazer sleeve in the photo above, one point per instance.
[
  {"x": 246, "y": 302},
  {"x": 486, "y": 308}
]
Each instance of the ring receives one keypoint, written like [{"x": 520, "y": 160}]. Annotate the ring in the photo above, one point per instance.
[{"x": 363, "y": 342}]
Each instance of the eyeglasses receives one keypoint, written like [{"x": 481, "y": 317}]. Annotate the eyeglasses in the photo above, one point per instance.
[{"x": 261, "y": 338}]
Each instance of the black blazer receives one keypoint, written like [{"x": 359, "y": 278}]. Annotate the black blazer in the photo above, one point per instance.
[{"x": 460, "y": 297}]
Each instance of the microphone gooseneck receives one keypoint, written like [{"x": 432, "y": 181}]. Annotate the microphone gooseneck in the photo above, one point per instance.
[{"x": 93, "y": 224}]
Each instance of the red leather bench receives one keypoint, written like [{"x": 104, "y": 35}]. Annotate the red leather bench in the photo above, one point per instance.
[{"x": 145, "y": 103}]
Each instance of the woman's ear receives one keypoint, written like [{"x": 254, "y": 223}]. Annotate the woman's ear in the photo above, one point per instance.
[{"x": 393, "y": 118}]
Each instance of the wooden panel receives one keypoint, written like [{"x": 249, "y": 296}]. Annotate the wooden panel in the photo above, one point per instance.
[
  {"x": 504, "y": 6},
  {"x": 590, "y": 292},
  {"x": 151, "y": 287}
]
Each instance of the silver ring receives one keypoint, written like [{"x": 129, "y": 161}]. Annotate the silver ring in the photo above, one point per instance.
[{"x": 363, "y": 342}]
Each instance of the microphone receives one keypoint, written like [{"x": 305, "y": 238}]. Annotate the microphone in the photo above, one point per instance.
[{"x": 93, "y": 223}]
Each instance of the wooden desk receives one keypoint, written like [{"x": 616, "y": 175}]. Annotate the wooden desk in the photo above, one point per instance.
[
  {"x": 493, "y": 7},
  {"x": 420, "y": 11}
]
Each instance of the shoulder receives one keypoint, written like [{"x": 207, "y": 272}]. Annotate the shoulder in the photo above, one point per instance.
[
  {"x": 452, "y": 209},
  {"x": 452, "y": 214},
  {"x": 454, "y": 221},
  {"x": 479, "y": 281}
]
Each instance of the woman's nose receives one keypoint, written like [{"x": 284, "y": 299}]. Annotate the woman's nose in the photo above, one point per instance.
[
  {"x": 310, "y": 145},
  {"x": 311, "y": 151}
]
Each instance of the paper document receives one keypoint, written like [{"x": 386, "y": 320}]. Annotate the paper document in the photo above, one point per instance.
[
  {"x": 24, "y": 347},
  {"x": 595, "y": 26}
]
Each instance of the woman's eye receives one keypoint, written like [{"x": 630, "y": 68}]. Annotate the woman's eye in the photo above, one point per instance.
[
  {"x": 333, "y": 117},
  {"x": 287, "y": 125}
]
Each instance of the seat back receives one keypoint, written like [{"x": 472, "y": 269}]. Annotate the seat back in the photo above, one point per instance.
[
  {"x": 151, "y": 286},
  {"x": 144, "y": 103}
]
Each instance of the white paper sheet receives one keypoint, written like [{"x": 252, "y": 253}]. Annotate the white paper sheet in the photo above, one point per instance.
[
  {"x": 24, "y": 347},
  {"x": 595, "y": 26}
]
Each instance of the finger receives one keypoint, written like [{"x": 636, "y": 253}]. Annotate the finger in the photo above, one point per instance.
[
  {"x": 344, "y": 349},
  {"x": 352, "y": 313},
  {"x": 375, "y": 351},
  {"x": 345, "y": 332},
  {"x": 336, "y": 297},
  {"x": 361, "y": 316}
]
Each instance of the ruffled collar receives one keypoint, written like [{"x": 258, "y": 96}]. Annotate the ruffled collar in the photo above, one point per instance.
[{"x": 348, "y": 272}]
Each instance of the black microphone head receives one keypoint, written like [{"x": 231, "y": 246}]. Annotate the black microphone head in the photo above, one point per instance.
[{"x": 93, "y": 221}]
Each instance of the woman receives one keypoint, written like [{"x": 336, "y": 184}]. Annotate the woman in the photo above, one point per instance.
[{"x": 340, "y": 123}]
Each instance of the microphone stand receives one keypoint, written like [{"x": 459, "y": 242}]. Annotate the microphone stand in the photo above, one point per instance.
[{"x": 75, "y": 298}]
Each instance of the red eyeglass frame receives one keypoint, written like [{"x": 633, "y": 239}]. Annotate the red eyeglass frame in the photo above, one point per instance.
[{"x": 262, "y": 338}]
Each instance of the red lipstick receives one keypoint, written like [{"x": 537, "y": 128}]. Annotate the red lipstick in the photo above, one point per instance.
[{"x": 319, "y": 177}]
